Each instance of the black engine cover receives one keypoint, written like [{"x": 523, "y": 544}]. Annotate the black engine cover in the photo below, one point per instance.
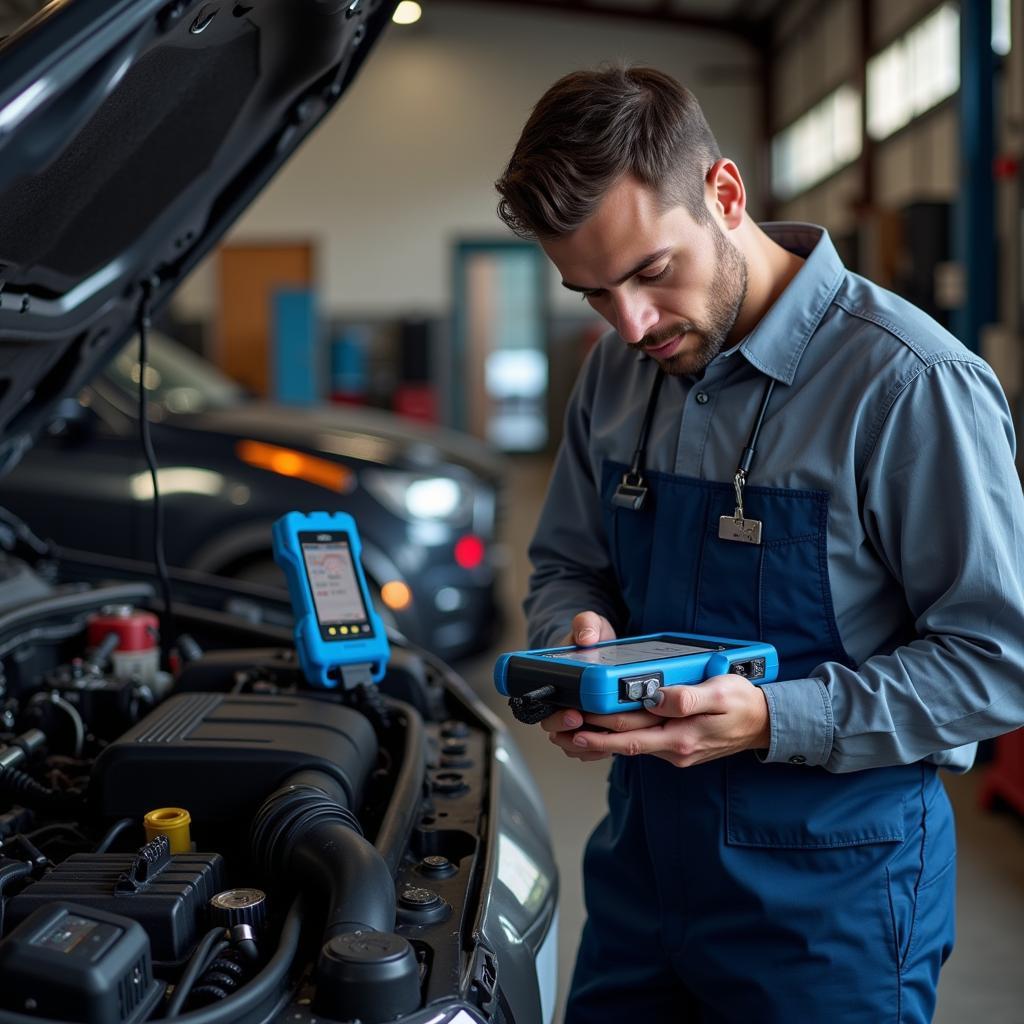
[{"x": 218, "y": 756}]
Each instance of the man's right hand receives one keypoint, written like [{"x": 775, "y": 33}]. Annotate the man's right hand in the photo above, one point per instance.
[{"x": 588, "y": 628}]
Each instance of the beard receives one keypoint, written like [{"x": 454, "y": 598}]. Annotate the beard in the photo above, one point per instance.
[{"x": 727, "y": 292}]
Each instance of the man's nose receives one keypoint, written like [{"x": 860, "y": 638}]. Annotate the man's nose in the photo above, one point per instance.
[{"x": 635, "y": 316}]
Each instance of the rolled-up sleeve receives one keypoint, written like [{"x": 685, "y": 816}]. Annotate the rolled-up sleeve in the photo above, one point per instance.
[{"x": 942, "y": 507}]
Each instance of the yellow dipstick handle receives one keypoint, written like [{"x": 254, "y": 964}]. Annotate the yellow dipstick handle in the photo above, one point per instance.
[{"x": 172, "y": 822}]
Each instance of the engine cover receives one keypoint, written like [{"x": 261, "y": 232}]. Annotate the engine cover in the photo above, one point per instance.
[
  {"x": 171, "y": 908},
  {"x": 218, "y": 756}
]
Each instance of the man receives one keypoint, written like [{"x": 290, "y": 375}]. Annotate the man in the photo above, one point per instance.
[{"x": 766, "y": 447}]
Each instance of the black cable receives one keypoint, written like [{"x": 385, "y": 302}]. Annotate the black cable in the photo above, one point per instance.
[
  {"x": 747, "y": 458},
  {"x": 147, "y": 449},
  {"x": 226, "y": 971},
  {"x": 24, "y": 790},
  {"x": 59, "y": 826},
  {"x": 20, "y": 531},
  {"x": 113, "y": 832},
  {"x": 396, "y": 824},
  {"x": 636, "y": 467},
  {"x": 8, "y": 873},
  {"x": 212, "y": 941}
]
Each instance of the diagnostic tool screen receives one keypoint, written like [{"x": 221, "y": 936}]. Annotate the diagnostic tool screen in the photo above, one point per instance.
[
  {"x": 337, "y": 596},
  {"x": 634, "y": 651}
]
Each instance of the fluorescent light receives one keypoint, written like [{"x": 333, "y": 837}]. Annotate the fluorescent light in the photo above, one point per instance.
[{"x": 408, "y": 12}]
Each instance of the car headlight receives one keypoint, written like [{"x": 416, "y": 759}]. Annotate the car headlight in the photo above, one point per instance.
[{"x": 416, "y": 496}]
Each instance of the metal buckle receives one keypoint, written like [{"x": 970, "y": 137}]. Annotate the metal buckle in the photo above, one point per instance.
[{"x": 631, "y": 492}]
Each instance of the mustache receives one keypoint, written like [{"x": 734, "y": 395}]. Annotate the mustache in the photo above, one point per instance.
[{"x": 666, "y": 334}]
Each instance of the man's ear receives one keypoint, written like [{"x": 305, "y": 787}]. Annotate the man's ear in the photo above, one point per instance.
[{"x": 726, "y": 193}]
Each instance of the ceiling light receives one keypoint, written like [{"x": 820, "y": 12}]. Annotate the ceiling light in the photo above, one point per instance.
[{"x": 408, "y": 12}]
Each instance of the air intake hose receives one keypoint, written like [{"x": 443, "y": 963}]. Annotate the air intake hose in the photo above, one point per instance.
[{"x": 305, "y": 831}]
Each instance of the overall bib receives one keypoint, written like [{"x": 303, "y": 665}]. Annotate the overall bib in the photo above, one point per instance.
[{"x": 737, "y": 891}]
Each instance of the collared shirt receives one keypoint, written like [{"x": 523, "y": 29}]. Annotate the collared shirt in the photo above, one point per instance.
[{"x": 910, "y": 435}]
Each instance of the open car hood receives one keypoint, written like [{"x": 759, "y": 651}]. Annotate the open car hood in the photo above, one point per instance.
[{"x": 132, "y": 135}]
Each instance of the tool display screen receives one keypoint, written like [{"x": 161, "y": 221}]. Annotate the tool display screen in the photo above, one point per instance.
[
  {"x": 633, "y": 652},
  {"x": 337, "y": 596}
]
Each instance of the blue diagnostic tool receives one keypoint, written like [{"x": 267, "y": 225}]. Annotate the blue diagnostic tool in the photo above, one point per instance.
[
  {"x": 339, "y": 636},
  {"x": 619, "y": 675}
]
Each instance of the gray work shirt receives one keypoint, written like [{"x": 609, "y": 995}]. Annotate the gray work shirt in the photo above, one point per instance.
[{"x": 910, "y": 435}]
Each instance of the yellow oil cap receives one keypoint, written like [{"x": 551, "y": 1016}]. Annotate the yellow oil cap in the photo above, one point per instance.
[{"x": 172, "y": 822}]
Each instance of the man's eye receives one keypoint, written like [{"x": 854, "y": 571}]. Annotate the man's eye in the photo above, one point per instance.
[
  {"x": 590, "y": 295},
  {"x": 648, "y": 278}
]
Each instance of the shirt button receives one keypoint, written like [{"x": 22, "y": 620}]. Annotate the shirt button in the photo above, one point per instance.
[
  {"x": 702, "y": 397},
  {"x": 798, "y": 759}
]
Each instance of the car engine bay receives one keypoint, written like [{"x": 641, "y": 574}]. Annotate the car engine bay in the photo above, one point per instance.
[{"x": 192, "y": 833}]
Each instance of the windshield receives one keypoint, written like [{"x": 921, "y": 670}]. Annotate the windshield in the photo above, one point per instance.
[{"x": 176, "y": 378}]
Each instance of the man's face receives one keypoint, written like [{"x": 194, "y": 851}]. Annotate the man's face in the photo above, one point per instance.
[{"x": 668, "y": 285}]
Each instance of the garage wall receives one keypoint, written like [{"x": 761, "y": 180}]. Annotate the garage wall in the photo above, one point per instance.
[
  {"x": 815, "y": 53},
  {"x": 818, "y": 50},
  {"x": 407, "y": 162}
]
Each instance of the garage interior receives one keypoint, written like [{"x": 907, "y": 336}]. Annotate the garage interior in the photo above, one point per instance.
[{"x": 373, "y": 272}]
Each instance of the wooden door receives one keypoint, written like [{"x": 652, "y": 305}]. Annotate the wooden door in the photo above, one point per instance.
[{"x": 248, "y": 277}]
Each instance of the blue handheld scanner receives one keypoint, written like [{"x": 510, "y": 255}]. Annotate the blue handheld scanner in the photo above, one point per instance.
[
  {"x": 339, "y": 636},
  {"x": 619, "y": 675}
]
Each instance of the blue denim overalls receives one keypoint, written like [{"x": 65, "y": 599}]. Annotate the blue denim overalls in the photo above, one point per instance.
[{"x": 738, "y": 891}]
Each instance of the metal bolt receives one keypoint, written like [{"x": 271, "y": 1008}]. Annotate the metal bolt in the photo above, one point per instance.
[
  {"x": 416, "y": 898},
  {"x": 437, "y": 866}
]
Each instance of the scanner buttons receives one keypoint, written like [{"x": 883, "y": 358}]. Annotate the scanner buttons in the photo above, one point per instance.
[{"x": 634, "y": 688}]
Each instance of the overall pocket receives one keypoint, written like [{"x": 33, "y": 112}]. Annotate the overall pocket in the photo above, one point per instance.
[{"x": 801, "y": 808}]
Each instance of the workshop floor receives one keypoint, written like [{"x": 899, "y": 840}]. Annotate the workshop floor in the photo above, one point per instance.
[{"x": 984, "y": 979}]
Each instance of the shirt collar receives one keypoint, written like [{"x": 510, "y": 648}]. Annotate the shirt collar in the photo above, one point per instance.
[{"x": 778, "y": 341}]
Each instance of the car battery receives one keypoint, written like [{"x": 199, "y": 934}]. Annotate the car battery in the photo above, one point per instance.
[{"x": 168, "y": 898}]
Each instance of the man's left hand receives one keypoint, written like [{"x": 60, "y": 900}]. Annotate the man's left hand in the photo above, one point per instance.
[{"x": 691, "y": 724}]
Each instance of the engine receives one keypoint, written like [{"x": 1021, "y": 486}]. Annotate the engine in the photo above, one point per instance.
[{"x": 192, "y": 833}]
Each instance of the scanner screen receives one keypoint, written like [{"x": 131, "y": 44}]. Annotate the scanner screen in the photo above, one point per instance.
[
  {"x": 633, "y": 652},
  {"x": 333, "y": 581}
]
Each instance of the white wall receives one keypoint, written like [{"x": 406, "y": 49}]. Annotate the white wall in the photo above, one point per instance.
[{"x": 406, "y": 163}]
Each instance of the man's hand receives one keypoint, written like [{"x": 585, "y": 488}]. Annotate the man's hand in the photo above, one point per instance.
[
  {"x": 691, "y": 724},
  {"x": 588, "y": 628}
]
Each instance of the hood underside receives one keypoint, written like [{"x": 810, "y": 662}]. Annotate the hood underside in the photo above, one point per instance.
[{"x": 132, "y": 135}]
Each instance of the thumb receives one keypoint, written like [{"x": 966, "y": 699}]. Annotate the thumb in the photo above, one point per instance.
[
  {"x": 678, "y": 701},
  {"x": 590, "y": 628}
]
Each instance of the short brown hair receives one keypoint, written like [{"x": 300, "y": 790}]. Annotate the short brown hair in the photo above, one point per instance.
[{"x": 587, "y": 131}]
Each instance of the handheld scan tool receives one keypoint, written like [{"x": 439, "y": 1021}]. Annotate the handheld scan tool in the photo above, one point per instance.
[
  {"x": 339, "y": 636},
  {"x": 619, "y": 675}
]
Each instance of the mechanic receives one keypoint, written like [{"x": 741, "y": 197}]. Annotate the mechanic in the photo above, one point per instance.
[{"x": 766, "y": 446}]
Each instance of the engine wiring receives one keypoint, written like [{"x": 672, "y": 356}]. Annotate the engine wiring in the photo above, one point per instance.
[{"x": 159, "y": 558}]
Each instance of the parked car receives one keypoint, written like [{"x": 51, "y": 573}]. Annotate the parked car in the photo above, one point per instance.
[
  {"x": 230, "y": 465},
  {"x": 190, "y": 828}
]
